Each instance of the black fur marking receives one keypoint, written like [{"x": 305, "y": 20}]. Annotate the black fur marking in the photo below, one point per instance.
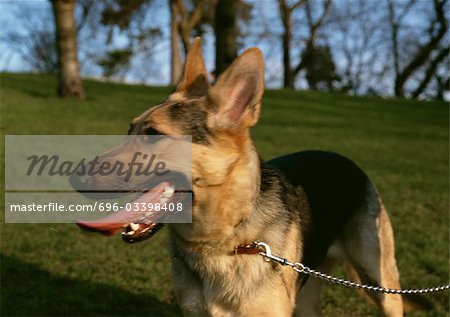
[
  {"x": 293, "y": 202},
  {"x": 191, "y": 119},
  {"x": 335, "y": 189}
]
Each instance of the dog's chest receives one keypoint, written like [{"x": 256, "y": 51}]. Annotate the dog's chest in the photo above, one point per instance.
[{"x": 232, "y": 277}]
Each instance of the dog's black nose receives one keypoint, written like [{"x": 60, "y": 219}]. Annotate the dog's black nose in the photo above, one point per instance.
[
  {"x": 80, "y": 182},
  {"x": 86, "y": 186},
  {"x": 91, "y": 188}
]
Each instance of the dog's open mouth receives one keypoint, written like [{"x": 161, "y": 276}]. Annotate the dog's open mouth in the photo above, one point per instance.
[{"x": 140, "y": 218}]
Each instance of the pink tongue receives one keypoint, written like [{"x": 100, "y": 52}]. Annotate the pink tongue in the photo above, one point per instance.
[{"x": 113, "y": 224}]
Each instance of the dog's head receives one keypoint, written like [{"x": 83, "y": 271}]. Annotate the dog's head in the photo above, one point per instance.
[{"x": 218, "y": 118}]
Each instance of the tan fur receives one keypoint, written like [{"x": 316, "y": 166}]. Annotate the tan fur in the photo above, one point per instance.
[
  {"x": 367, "y": 248},
  {"x": 308, "y": 298}
]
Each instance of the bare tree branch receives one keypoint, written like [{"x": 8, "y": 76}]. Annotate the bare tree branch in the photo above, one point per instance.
[
  {"x": 425, "y": 50},
  {"x": 297, "y": 5},
  {"x": 313, "y": 27},
  {"x": 430, "y": 72},
  {"x": 188, "y": 21}
]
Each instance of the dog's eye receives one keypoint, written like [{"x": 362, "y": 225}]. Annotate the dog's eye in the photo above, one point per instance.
[
  {"x": 151, "y": 131},
  {"x": 154, "y": 135}
]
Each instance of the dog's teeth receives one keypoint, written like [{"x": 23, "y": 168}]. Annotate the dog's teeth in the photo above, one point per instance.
[
  {"x": 168, "y": 192},
  {"x": 163, "y": 200},
  {"x": 130, "y": 233},
  {"x": 134, "y": 226}
]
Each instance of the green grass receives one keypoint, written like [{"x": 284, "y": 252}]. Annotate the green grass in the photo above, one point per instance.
[{"x": 58, "y": 270}]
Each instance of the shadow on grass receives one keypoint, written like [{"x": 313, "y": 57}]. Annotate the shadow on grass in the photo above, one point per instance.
[
  {"x": 37, "y": 93},
  {"x": 30, "y": 291},
  {"x": 30, "y": 84}
]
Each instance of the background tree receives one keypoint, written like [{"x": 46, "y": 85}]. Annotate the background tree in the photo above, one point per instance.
[
  {"x": 286, "y": 11},
  {"x": 356, "y": 33},
  {"x": 317, "y": 60},
  {"x": 442, "y": 83},
  {"x": 320, "y": 68},
  {"x": 69, "y": 80},
  {"x": 225, "y": 29},
  {"x": 33, "y": 38},
  {"x": 129, "y": 20},
  {"x": 175, "y": 53},
  {"x": 36, "y": 45},
  {"x": 430, "y": 51},
  {"x": 231, "y": 21},
  {"x": 431, "y": 71},
  {"x": 182, "y": 23},
  {"x": 188, "y": 19},
  {"x": 315, "y": 13},
  {"x": 115, "y": 62}
]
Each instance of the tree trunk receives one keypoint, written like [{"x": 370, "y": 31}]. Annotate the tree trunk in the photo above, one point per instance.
[
  {"x": 287, "y": 34},
  {"x": 69, "y": 83},
  {"x": 394, "y": 39},
  {"x": 226, "y": 33},
  {"x": 175, "y": 58},
  {"x": 443, "y": 85},
  {"x": 288, "y": 76}
]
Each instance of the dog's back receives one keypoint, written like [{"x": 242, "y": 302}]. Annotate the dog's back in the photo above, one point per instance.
[{"x": 336, "y": 189}]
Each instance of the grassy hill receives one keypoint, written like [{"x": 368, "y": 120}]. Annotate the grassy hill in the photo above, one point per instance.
[{"x": 58, "y": 270}]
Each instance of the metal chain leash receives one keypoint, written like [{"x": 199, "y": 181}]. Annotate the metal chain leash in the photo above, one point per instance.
[{"x": 300, "y": 268}]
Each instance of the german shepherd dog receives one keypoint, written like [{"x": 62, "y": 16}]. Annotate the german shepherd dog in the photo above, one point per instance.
[{"x": 315, "y": 207}]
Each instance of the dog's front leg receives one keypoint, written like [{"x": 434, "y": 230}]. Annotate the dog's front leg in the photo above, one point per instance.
[{"x": 188, "y": 289}]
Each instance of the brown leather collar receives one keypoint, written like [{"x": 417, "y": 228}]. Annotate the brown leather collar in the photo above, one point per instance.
[{"x": 244, "y": 248}]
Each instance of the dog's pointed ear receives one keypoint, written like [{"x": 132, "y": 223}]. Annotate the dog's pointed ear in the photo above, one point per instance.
[
  {"x": 194, "y": 81},
  {"x": 238, "y": 92}
]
